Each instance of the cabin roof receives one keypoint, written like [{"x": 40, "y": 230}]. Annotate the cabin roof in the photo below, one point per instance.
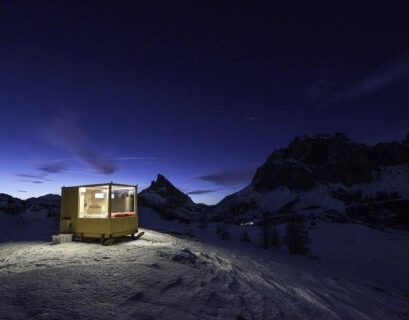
[{"x": 103, "y": 184}]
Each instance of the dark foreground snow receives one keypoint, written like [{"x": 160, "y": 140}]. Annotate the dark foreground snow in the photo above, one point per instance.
[{"x": 180, "y": 276}]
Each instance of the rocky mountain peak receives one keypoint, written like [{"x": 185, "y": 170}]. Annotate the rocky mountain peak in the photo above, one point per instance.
[
  {"x": 167, "y": 200},
  {"x": 326, "y": 158},
  {"x": 161, "y": 181},
  {"x": 319, "y": 148},
  {"x": 163, "y": 187}
]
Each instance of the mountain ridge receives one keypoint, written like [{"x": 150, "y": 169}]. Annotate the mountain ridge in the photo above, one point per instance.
[
  {"x": 331, "y": 175},
  {"x": 13, "y": 205}
]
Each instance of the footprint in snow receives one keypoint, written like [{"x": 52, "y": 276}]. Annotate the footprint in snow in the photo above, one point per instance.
[
  {"x": 154, "y": 265},
  {"x": 172, "y": 284},
  {"x": 135, "y": 297},
  {"x": 185, "y": 256}
]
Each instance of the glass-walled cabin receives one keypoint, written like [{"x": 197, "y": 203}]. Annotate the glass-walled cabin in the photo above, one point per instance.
[{"x": 99, "y": 211}]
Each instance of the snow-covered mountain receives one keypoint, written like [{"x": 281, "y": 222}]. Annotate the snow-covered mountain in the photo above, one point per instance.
[
  {"x": 328, "y": 175},
  {"x": 167, "y": 200}
]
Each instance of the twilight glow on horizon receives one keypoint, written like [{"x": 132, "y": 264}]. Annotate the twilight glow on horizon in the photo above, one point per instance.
[{"x": 199, "y": 92}]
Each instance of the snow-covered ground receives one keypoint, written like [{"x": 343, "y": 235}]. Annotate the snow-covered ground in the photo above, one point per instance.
[
  {"x": 178, "y": 271},
  {"x": 27, "y": 226}
]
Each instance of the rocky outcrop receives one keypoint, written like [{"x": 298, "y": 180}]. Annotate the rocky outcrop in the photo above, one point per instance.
[
  {"x": 308, "y": 161},
  {"x": 326, "y": 159}
]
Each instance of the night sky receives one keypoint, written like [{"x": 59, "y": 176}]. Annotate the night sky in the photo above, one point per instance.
[{"x": 202, "y": 92}]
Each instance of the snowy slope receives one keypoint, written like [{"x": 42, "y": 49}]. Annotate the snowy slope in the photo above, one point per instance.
[
  {"x": 28, "y": 226},
  {"x": 184, "y": 272},
  {"x": 388, "y": 179}
]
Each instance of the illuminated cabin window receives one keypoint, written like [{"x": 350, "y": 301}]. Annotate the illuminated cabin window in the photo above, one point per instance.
[
  {"x": 122, "y": 201},
  {"x": 93, "y": 202}
]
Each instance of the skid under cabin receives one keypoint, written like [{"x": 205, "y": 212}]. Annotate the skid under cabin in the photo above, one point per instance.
[{"x": 101, "y": 211}]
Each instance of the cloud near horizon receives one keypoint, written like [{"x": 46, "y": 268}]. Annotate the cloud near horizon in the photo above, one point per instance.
[
  {"x": 199, "y": 192},
  {"x": 42, "y": 177},
  {"x": 64, "y": 132},
  {"x": 52, "y": 167},
  {"x": 230, "y": 177},
  {"x": 33, "y": 181}
]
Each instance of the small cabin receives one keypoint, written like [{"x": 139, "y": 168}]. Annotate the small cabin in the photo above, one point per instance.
[{"x": 100, "y": 211}]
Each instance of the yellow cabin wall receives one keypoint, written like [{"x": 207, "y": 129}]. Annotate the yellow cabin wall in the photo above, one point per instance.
[
  {"x": 93, "y": 227},
  {"x": 69, "y": 208}
]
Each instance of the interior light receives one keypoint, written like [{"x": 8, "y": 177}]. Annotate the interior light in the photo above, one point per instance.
[{"x": 99, "y": 195}]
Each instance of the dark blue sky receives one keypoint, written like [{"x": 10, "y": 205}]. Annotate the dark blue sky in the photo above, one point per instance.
[{"x": 201, "y": 92}]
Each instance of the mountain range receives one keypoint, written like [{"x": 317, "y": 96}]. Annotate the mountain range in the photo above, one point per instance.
[
  {"x": 329, "y": 176},
  {"x": 326, "y": 176}
]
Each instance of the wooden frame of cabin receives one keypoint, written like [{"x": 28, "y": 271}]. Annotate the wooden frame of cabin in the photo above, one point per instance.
[{"x": 83, "y": 220}]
